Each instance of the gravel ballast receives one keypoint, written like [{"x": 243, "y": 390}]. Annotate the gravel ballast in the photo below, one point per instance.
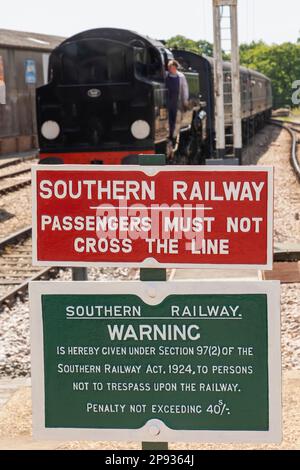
[{"x": 17, "y": 204}]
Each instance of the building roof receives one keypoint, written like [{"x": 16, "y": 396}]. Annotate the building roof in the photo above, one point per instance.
[{"x": 24, "y": 40}]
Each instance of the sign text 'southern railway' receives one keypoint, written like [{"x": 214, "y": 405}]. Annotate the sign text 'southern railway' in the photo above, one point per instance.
[{"x": 153, "y": 216}]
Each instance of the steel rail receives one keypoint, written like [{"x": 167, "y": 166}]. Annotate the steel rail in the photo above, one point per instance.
[
  {"x": 5, "y": 163},
  {"x": 16, "y": 173},
  {"x": 10, "y": 188},
  {"x": 294, "y": 157},
  {"x": 17, "y": 277}
]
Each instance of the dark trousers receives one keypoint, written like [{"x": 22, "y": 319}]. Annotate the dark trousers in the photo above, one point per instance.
[{"x": 172, "y": 121}]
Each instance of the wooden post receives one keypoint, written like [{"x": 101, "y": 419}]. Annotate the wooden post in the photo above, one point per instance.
[
  {"x": 218, "y": 82},
  {"x": 235, "y": 79},
  {"x": 149, "y": 274},
  {"x": 236, "y": 89}
]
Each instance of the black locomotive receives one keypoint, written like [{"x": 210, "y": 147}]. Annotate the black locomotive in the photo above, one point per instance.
[{"x": 106, "y": 101}]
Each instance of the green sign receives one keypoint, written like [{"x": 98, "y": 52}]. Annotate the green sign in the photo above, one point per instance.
[{"x": 193, "y": 361}]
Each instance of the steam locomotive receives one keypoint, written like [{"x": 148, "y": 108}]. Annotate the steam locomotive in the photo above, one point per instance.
[{"x": 106, "y": 101}]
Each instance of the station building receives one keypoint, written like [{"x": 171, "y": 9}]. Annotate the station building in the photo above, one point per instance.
[{"x": 24, "y": 61}]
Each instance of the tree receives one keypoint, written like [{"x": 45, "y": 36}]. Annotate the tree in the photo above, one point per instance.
[
  {"x": 199, "y": 47},
  {"x": 252, "y": 45},
  {"x": 181, "y": 42},
  {"x": 206, "y": 47},
  {"x": 281, "y": 63}
]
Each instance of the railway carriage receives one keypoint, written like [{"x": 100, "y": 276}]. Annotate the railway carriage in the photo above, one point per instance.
[{"x": 256, "y": 95}]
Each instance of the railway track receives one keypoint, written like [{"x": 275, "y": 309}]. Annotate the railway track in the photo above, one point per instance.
[
  {"x": 15, "y": 186},
  {"x": 15, "y": 174},
  {"x": 16, "y": 269},
  {"x": 294, "y": 133},
  {"x": 5, "y": 163},
  {"x": 286, "y": 265}
]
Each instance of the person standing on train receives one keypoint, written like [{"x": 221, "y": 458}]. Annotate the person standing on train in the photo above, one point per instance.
[{"x": 178, "y": 96}]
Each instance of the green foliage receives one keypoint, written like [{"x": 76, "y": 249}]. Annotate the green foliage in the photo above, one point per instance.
[
  {"x": 206, "y": 47},
  {"x": 199, "y": 47},
  {"x": 281, "y": 63},
  {"x": 252, "y": 45}
]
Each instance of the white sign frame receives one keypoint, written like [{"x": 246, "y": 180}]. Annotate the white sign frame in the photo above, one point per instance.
[
  {"x": 153, "y": 293},
  {"x": 152, "y": 171}
]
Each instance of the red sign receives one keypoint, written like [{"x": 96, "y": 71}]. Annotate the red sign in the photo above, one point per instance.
[{"x": 153, "y": 216}]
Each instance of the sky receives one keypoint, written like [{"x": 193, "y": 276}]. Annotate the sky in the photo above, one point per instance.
[{"x": 270, "y": 20}]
